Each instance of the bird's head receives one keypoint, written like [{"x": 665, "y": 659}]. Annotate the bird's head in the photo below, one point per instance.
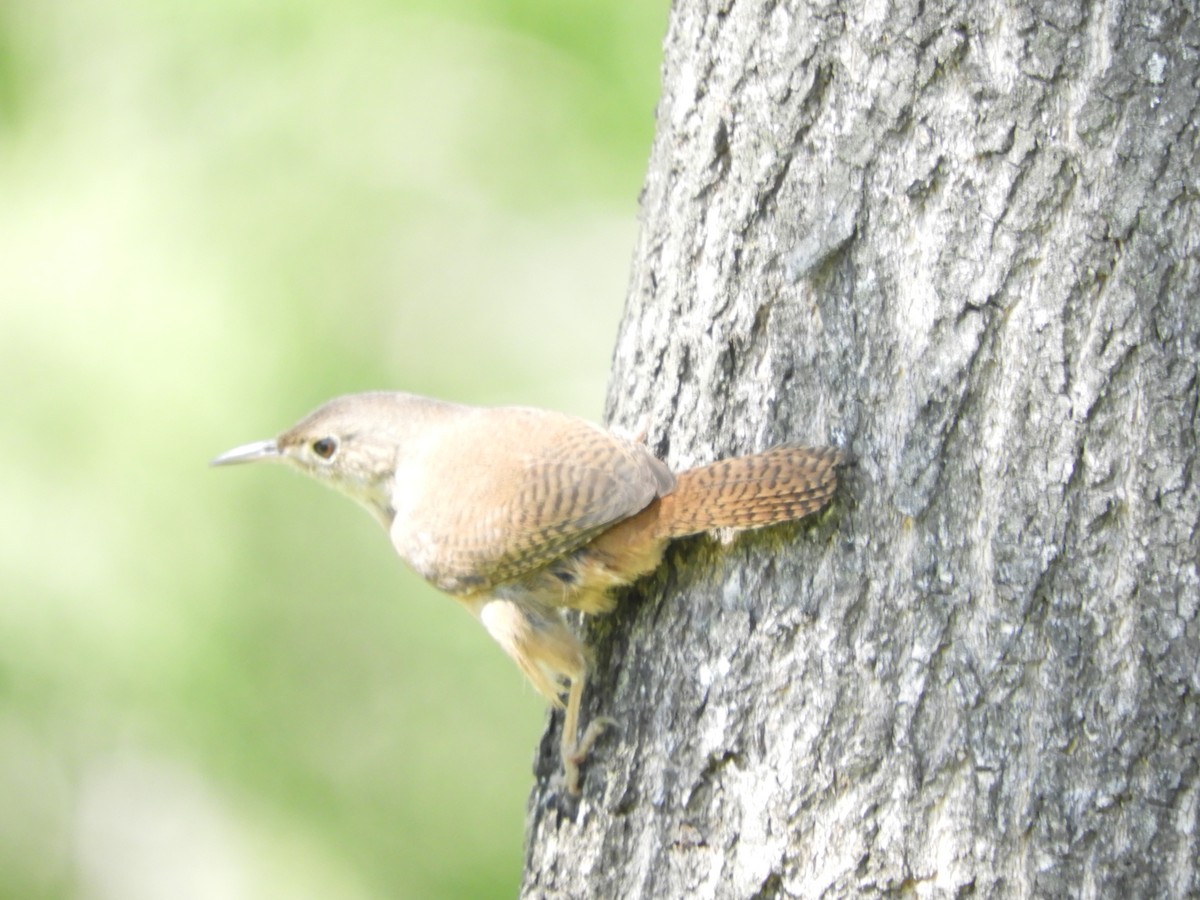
[{"x": 351, "y": 443}]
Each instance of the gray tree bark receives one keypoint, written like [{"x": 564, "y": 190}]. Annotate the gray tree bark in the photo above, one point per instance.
[{"x": 958, "y": 239}]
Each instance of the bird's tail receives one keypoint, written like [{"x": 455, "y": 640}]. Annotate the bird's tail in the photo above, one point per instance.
[{"x": 778, "y": 485}]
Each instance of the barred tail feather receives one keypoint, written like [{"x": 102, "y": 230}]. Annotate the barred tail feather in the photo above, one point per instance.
[{"x": 778, "y": 485}]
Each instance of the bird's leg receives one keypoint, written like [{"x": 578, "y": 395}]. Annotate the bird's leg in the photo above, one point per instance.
[
  {"x": 568, "y": 745},
  {"x": 549, "y": 654},
  {"x": 575, "y": 751}
]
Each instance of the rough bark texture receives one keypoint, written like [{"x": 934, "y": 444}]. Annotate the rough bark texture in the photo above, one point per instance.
[{"x": 960, "y": 240}]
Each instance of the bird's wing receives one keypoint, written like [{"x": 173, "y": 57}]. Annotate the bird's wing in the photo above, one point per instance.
[{"x": 527, "y": 487}]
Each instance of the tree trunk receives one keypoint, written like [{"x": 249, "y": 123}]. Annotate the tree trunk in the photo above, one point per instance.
[{"x": 958, "y": 240}]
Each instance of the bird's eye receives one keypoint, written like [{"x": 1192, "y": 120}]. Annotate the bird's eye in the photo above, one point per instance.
[{"x": 324, "y": 447}]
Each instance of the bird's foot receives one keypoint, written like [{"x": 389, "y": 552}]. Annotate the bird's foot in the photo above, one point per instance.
[{"x": 578, "y": 754}]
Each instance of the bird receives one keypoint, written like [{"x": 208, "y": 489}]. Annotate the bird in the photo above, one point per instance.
[{"x": 522, "y": 514}]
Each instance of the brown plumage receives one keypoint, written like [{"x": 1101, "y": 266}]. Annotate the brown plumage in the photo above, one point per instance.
[{"x": 522, "y": 513}]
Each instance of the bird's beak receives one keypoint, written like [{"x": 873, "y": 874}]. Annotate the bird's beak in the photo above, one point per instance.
[{"x": 248, "y": 453}]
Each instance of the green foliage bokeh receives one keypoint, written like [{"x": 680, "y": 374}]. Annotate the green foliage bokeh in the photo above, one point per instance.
[{"x": 214, "y": 216}]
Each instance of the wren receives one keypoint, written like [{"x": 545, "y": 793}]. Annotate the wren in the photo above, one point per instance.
[{"x": 521, "y": 514}]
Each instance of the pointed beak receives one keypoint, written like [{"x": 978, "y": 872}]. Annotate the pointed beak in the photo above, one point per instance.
[{"x": 248, "y": 453}]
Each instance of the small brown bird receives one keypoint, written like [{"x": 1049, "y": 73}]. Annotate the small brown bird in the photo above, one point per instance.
[{"x": 523, "y": 513}]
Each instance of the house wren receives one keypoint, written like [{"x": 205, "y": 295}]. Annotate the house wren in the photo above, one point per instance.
[{"x": 521, "y": 513}]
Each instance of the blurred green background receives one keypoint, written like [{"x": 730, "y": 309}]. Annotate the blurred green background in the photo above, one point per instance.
[{"x": 213, "y": 217}]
